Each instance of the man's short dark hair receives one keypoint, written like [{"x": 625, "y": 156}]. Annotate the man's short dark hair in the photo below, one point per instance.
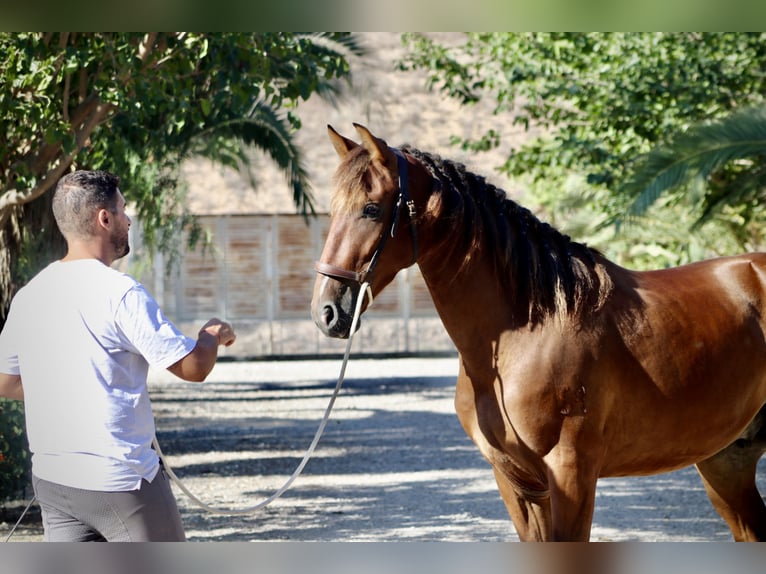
[{"x": 79, "y": 196}]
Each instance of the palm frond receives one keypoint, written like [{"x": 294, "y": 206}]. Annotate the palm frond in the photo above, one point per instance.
[
  {"x": 227, "y": 138},
  {"x": 346, "y": 45},
  {"x": 698, "y": 153},
  {"x": 336, "y": 45},
  {"x": 268, "y": 131},
  {"x": 744, "y": 187}
]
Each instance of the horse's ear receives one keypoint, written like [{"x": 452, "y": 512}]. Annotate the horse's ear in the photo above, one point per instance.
[
  {"x": 377, "y": 147},
  {"x": 342, "y": 145}
]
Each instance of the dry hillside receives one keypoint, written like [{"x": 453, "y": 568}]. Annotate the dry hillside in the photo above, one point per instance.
[{"x": 392, "y": 104}]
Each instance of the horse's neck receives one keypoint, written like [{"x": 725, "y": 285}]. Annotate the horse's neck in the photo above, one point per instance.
[{"x": 470, "y": 302}]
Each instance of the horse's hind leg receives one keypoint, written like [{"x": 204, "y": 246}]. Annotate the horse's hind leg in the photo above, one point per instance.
[{"x": 729, "y": 479}]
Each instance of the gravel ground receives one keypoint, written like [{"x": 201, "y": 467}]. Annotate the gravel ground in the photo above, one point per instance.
[{"x": 393, "y": 464}]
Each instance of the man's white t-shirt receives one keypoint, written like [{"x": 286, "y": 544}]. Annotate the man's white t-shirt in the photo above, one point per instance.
[{"x": 82, "y": 336}]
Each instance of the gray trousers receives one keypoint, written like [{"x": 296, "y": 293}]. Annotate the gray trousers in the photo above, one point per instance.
[{"x": 149, "y": 514}]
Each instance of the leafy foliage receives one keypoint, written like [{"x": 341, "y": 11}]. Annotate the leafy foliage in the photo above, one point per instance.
[
  {"x": 138, "y": 104},
  {"x": 14, "y": 455},
  {"x": 595, "y": 102}
]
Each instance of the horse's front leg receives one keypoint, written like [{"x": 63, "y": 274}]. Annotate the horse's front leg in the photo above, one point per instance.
[
  {"x": 530, "y": 513},
  {"x": 572, "y": 479},
  {"x": 563, "y": 512}
]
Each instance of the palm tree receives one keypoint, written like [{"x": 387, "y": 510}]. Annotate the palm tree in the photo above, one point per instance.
[{"x": 723, "y": 161}]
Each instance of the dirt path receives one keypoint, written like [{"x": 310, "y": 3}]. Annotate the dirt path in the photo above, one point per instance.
[{"x": 393, "y": 465}]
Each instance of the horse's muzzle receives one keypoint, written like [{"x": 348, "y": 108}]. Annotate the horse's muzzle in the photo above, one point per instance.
[
  {"x": 332, "y": 310},
  {"x": 333, "y": 321}
]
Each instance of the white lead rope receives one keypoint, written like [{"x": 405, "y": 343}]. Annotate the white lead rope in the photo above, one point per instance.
[
  {"x": 15, "y": 526},
  {"x": 365, "y": 289}
]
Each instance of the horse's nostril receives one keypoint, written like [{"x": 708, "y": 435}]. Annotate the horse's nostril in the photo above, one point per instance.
[{"x": 329, "y": 315}]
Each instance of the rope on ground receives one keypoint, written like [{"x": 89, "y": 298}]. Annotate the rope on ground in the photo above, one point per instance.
[
  {"x": 364, "y": 290},
  {"x": 15, "y": 526}
]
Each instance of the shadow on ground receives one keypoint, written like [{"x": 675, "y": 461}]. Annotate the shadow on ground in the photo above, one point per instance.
[{"x": 394, "y": 464}]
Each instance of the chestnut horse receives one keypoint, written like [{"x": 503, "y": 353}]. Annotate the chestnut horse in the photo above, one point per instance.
[{"x": 571, "y": 367}]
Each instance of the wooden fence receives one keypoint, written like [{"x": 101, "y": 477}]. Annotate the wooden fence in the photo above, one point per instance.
[{"x": 258, "y": 273}]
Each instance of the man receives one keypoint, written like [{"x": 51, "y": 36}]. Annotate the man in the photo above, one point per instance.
[{"x": 76, "y": 347}]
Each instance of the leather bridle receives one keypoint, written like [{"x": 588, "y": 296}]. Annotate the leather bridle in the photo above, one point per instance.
[{"x": 403, "y": 199}]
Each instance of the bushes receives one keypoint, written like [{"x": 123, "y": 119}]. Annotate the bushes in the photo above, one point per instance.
[{"x": 15, "y": 463}]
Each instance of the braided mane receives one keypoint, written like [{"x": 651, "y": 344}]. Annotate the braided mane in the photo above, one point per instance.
[{"x": 536, "y": 262}]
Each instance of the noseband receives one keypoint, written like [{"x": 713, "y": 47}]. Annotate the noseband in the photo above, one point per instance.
[{"x": 403, "y": 199}]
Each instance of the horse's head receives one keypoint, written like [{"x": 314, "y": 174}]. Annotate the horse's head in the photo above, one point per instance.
[{"x": 372, "y": 231}]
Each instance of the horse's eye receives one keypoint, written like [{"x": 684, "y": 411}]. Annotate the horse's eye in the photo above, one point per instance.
[{"x": 371, "y": 211}]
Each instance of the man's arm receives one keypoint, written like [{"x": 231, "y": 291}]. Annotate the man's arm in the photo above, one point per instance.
[
  {"x": 10, "y": 387},
  {"x": 196, "y": 366}
]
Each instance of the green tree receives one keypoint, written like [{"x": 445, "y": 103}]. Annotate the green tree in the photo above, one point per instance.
[
  {"x": 596, "y": 103},
  {"x": 138, "y": 104}
]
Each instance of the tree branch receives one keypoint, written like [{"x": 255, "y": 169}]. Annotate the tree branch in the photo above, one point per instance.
[
  {"x": 146, "y": 47},
  {"x": 14, "y": 197},
  {"x": 65, "y": 105}
]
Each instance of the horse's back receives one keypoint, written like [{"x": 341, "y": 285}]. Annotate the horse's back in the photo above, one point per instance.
[
  {"x": 745, "y": 273},
  {"x": 706, "y": 298}
]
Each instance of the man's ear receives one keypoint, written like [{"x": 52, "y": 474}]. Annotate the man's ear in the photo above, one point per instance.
[{"x": 104, "y": 218}]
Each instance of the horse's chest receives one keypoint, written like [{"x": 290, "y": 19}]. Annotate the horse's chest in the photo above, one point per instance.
[{"x": 502, "y": 414}]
